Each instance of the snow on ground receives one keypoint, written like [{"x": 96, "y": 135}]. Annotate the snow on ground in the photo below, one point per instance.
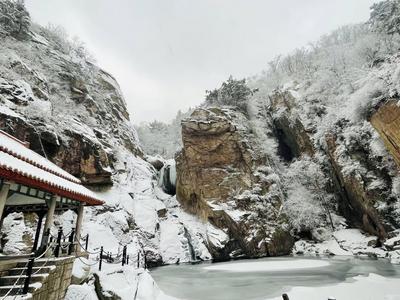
[
  {"x": 119, "y": 282},
  {"x": 84, "y": 291},
  {"x": 373, "y": 287},
  {"x": 172, "y": 245},
  {"x": 346, "y": 242},
  {"x": 272, "y": 266}
]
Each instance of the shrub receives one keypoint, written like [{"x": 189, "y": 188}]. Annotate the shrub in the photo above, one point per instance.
[{"x": 232, "y": 93}]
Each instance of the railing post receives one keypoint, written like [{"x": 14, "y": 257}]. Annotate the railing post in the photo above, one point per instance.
[
  {"x": 46, "y": 239},
  {"x": 59, "y": 237},
  {"x": 38, "y": 228},
  {"x": 127, "y": 259},
  {"x": 124, "y": 255},
  {"x": 71, "y": 242},
  {"x": 86, "y": 241},
  {"x": 101, "y": 258},
  {"x": 28, "y": 276}
]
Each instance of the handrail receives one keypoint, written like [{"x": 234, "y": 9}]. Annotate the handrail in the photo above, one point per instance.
[{"x": 12, "y": 257}]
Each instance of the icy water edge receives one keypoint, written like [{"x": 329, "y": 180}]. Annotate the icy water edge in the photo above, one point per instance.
[{"x": 199, "y": 282}]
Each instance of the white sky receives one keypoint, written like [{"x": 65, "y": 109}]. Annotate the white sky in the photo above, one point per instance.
[{"x": 166, "y": 53}]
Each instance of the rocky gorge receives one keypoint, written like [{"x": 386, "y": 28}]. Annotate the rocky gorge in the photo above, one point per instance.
[{"x": 306, "y": 161}]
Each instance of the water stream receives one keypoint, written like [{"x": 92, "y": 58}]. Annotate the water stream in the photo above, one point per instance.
[{"x": 264, "y": 278}]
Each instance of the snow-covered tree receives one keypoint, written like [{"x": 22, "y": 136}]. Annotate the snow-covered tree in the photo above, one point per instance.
[
  {"x": 159, "y": 138},
  {"x": 14, "y": 18},
  {"x": 307, "y": 204},
  {"x": 232, "y": 93},
  {"x": 385, "y": 16}
]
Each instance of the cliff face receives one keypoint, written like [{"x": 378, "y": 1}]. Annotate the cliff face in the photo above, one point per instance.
[
  {"x": 69, "y": 109},
  {"x": 386, "y": 120},
  {"x": 293, "y": 139},
  {"x": 360, "y": 178},
  {"x": 222, "y": 178}
]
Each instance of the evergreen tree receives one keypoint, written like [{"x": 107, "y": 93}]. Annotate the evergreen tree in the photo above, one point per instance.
[{"x": 232, "y": 93}]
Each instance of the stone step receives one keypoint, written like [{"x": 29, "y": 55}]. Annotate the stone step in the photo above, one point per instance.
[
  {"x": 17, "y": 290},
  {"x": 37, "y": 263},
  {"x": 35, "y": 270},
  {"x": 19, "y": 280}
]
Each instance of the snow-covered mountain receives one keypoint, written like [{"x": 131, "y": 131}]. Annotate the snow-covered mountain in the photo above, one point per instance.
[
  {"x": 322, "y": 125},
  {"x": 305, "y": 160}
]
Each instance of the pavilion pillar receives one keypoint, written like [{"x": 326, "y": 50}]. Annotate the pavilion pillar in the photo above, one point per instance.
[
  {"x": 78, "y": 228},
  {"x": 48, "y": 222},
  {"x": 50, "y": 213},
  {"x": 3, "y": 198}
]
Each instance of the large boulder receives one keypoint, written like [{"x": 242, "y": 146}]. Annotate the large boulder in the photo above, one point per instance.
[{"x": 220, "y": 178}]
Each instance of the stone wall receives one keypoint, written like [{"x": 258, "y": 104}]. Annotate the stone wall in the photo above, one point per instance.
[{"x": 56, "y": 284}]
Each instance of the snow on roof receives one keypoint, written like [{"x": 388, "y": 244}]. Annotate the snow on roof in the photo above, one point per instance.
[
  {"x": 42, "y": 174},
  {"x": 17, "y": 148}
]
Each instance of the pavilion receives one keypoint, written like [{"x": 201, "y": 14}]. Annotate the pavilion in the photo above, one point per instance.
[{"x": 31, "y": 183}]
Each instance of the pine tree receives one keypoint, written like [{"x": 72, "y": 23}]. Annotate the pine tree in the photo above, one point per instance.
[{"x": 231, "y": 93}]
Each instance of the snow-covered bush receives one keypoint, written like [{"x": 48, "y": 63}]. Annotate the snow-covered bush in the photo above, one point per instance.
[
  {"x": 232, "y": 92},
  {"x": 303, "y": 209},
  {"x": 14, "y": 18},
  {"x": 308, "y": 205}
]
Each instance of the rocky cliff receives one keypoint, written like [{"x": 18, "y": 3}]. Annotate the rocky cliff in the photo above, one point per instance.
[
  {"x": 67, "y": 108},
  {"x": 222, "y": 177},
  {"x": 55, "y": 97},
  {"x": 297, "y": 166}
]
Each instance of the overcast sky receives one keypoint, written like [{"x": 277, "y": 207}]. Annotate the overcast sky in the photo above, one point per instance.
[{"x": 166, "y": 53}]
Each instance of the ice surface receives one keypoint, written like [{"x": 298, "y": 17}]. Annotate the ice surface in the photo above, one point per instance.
[
  {"x": 372, "y": 287},
  {"x": 269, "y": 266}
]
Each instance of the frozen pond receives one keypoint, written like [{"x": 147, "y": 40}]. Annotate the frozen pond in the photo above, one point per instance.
[{"x": 310, "y": 278}]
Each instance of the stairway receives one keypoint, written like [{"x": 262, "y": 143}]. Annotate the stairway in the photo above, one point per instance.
[{"x": 13, "y": 279}]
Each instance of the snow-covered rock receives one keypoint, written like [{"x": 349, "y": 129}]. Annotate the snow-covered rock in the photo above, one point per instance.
[{"x": 219, "y": 179}]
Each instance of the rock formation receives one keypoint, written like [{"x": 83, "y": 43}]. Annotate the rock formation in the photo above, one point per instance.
[
  {"x": 360, "y": 178},
  {"x": 66, "y": 107},
  {"x": 53, "y": 96},
  {"x": 386, "y": 120},
  {"x": 221, "y": 178},
  {"x": 293, "y": 140}
]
